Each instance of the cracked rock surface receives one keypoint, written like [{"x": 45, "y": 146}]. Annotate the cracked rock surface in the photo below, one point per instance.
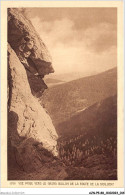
[
  {"x": 32, "y": 138},
  {"x": 27, "y": 119}
]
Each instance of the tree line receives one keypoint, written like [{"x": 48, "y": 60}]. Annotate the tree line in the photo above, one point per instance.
[{"x": 76, "y": 150}]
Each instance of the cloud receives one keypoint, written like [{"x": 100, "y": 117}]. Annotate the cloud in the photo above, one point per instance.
[
  {"x": 72, "y": 49},
  {"x": 101, "y": 37}
]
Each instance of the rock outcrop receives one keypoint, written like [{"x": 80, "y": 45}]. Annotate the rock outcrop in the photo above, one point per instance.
[
  {"x": 32, "y": 138},
  {"x": 30, "y": 49}
]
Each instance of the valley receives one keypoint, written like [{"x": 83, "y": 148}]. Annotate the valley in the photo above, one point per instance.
[{"x": 84, "y": 113}]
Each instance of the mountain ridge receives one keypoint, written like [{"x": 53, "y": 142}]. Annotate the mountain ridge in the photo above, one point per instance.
[
  {"x": 76, "y": 76},
  {"x": 61, "y": 101}
]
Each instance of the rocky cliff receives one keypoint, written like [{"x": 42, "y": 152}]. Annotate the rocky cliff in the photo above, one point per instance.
[{"x": 32, "y": 138}]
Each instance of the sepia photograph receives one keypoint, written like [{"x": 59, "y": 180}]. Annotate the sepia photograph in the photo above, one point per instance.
[{"x": 62, "y": 93}]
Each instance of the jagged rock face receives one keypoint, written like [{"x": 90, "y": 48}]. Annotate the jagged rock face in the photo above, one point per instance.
[
  {"x": 32, "y": 138},
  {"x": 30, "y": 49},
  {"x": 29, "y": 126}
]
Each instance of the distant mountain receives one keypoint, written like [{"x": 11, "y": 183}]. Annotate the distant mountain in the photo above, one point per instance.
[
  {"x": 51, "y": 81},
  {"x": 66, "y": 77},
  {"x": 65, "y": 100}
]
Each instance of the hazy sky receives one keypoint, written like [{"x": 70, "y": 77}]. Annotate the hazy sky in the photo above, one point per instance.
[{"x": 79, "y": 39}]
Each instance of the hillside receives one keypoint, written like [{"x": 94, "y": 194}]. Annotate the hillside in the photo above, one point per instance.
[
  {"x": 99, "y": 119},
  {"x": 63, "y": 101},
  {"x": 88, "y": 141}
]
